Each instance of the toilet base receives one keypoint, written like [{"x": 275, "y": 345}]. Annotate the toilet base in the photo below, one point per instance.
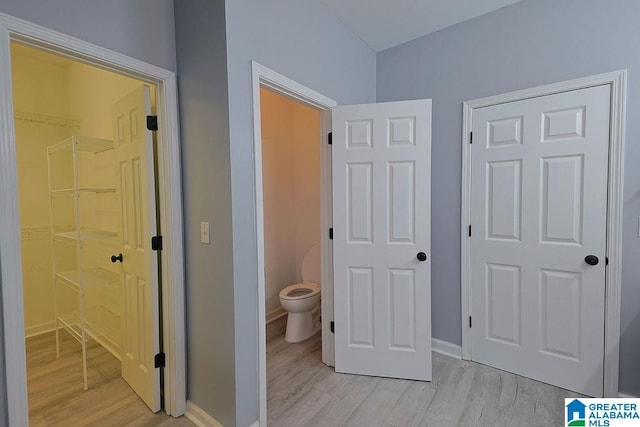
[{"x": 300, "y": 326}]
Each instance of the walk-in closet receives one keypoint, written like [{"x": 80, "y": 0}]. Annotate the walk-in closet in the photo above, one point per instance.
[{"x": 71, "y": 205}]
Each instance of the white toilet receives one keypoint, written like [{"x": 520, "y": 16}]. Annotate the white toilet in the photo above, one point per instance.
[{"x": 302, "y": 300}]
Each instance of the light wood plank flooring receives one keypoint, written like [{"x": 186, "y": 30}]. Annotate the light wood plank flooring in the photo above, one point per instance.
[
  {"x": 57, "y": 396},
  {"x": 302, "y": 391}
]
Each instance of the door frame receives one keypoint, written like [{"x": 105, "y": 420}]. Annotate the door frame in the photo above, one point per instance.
[
  {"x": 170, "y": 206},
  {"x": 262, "y": 76},
  {"x": 617, "y": 82}
]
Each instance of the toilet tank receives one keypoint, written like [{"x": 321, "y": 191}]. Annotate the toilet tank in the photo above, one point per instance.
[{"x": 311, "y": 265}]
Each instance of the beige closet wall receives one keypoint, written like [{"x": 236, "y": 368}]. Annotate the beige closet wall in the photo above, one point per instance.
[
  {"x": 92, "y": 93},
  {"x": 291, "y": 185},
  {"x": 40, "y": 89}
]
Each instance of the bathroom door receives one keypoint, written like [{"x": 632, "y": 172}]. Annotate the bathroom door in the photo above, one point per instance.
[
  {"x": 381, "y": 239},
  {"x": 139, "y": 273}
]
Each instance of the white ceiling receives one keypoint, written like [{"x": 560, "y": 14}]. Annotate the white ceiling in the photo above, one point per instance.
[{"x": 386, "y": 23}]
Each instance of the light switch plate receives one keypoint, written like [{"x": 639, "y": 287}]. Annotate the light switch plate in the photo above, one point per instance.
[{"x": 204, "y": 232}]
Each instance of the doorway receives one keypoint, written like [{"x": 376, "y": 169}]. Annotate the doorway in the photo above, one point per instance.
[
  {"x": 542, "y": 189},
  {"x": 169, "y": 212},
  {"x": 291, "y": 147},
  {"x": 87, "y": 317},
  {"x": 264, "y": 78},
  {"x": 376, "y": 193}
]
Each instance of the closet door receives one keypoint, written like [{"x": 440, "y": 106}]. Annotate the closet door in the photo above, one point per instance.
[
  {"x": 538, "y": 249},
  {"x": 139, "y": 274}
]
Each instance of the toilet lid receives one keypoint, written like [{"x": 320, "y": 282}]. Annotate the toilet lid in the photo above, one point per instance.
[
  {"x": 311, "y": 265},
  {"x": 300, "y": 291}
]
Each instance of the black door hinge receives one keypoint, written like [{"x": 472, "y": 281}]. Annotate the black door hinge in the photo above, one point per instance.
[
  {"x": 152, "y": 123},
  {"x": 470, "y": 321},
  {"x": 159, "y": 360},
  {"x": 606, "y": 260},
  {"x": 332, "y": 327},
  {"x": 469, "y": 230},
  {"x": 156, "y": 243},
  {"x": 470, "y": 137},
  {"x": 330, "y": 138},
  {"x": 331, "y": 233}
]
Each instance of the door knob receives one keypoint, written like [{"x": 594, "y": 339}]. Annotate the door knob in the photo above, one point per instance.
[
  {"x": 421, "y": 256},
  {"x": 116, "y": 258},
  {"x": 591, "y": 259}
]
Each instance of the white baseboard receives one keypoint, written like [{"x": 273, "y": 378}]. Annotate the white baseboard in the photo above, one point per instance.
[
  {"x": 626, "y": 396},
  {"x": 275, "y": 314},
  {"x": 40, "y": 329},
  {"x": 199, "y": 417},
  {"x": 43, "y": 328},
  {"x": 446, "y": 348},
  {"x": 106, "y": 343}
]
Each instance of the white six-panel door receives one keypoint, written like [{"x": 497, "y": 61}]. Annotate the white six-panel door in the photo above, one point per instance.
[
  {"x": 382, "y": 220},
  {"x": 136, "y": 185},
  {"x": 538, "y": 209}
]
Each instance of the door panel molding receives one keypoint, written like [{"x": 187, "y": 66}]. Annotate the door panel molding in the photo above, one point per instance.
[
  {"x": 170, "y": 205},
  {"x": 617, "y": 81}
]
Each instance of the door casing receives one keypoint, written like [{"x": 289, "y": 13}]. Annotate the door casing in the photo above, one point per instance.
[
  {"x": 262, "y": 76},
  {"x": 617, "y": 82},
  {"x": 170, "y": 206}
]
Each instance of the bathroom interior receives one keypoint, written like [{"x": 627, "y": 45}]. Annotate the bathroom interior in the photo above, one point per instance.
[
  {"x": 292, "y": 207},
  {"x": 67, "y": 184}
]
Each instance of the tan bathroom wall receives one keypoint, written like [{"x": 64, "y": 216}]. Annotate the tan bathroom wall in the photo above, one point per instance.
[
  {"x": 279, "y": 192},
  {"x": 306, "y": 134},
  {"x": 291, "y": 186}
]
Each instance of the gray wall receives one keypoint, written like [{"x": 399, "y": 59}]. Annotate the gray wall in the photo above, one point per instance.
[
  {"x": 4, "y": 420},
  {"x": 303, "y": 41},
  {"x": 202, "y": 86},
  {"x": 143, "y": 29},
  {"x": 531, "y": 43}
]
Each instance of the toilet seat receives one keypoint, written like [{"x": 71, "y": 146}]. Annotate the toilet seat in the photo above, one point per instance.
[
  {"x": 297, "y": 291},
  {"x": 302, "y": 300}
]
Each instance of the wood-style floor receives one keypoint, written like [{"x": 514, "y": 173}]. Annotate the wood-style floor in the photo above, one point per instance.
[
  {"x": 57, "y": 396},
  {"x": 302, "y": 391}
]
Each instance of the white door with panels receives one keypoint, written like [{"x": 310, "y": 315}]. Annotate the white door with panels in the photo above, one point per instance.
[
  {"x": 139, "y": 273},
  {"x": 381, "y": 240},
  {"x": 538, "y": 235}
]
